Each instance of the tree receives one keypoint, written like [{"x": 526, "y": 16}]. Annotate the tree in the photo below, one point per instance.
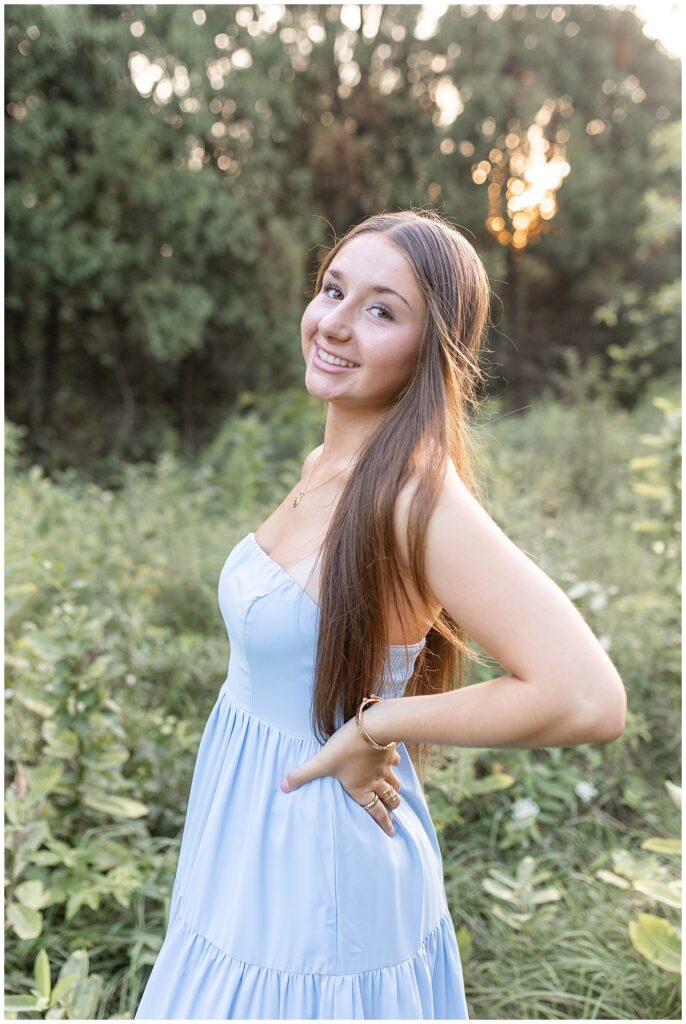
[{"x": 173, "y": 174}]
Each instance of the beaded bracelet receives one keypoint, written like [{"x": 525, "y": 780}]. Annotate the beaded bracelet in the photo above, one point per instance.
[{"x": 363, "y": 732}]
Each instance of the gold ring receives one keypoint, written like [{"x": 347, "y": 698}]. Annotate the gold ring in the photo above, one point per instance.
[
  {"x": 388, "y": 794},
  {"x": 371, "y": 802}
]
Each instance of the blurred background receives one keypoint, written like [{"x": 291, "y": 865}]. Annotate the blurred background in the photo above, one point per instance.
[{"x": 173, "y": 174}]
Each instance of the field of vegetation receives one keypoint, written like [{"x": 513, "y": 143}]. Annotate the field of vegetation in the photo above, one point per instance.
[{"x": 561, "y": 864}]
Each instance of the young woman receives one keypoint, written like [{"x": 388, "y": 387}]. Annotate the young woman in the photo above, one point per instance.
[{"x": 310, "y": 883}]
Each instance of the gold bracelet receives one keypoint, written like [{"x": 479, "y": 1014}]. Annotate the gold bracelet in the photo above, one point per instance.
[{"x": 363, "y": 732}]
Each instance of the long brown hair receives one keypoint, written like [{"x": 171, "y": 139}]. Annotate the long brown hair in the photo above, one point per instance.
[{"x": 426, "y": 425}]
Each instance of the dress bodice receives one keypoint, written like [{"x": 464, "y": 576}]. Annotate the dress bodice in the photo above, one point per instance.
[{"x": 272, "y": 625}]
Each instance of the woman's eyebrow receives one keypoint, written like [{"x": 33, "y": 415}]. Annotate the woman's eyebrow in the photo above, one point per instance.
[{"x": 374, "y": 287}]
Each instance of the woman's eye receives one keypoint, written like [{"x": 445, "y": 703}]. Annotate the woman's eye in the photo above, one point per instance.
[
  {"x": 380, "y": 306},
  {"x": 384, "y": 309}
]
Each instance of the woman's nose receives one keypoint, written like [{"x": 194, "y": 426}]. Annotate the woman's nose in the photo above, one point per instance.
[{"x": 333, "y": 325}]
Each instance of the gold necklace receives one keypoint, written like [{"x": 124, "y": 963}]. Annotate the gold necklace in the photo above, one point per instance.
[{"x": 296, "y": 501}]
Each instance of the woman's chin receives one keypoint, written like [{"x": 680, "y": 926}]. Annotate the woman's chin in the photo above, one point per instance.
[{"x": 317, "y": 387}]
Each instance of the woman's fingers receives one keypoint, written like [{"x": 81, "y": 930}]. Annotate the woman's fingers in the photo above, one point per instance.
[
  {"x": 391, "y": 800},
  {"x": 385, "y": 788},
  {"x": 390, "y": 797},
  {"x": 386, "y": 802},
  {"x": 381, "y": 815}
]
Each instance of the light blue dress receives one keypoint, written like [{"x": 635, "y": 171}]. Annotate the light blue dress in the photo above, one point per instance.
[{"x": 297, "y": 905}]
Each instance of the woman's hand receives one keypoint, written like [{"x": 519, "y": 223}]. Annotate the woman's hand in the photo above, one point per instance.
[{"x": 361, "y": 770}]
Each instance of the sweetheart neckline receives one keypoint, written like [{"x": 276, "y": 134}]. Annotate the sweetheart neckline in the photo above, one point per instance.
[{"x": 393, "y": 647}]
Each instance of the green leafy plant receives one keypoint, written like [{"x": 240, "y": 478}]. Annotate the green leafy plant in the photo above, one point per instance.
[
  {"x": 657, "y": 479},
  {"x": 26, "y": 830},
  {"x": 463, "y": 774},
  {"x": 583, "y": 447},
  {"x": 655, "y": 938},
  {"x": 522, "y": 892},
  {"x": 74, "y": 996}
]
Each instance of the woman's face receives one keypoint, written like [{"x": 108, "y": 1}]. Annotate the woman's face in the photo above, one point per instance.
[{"x": 370, "y": 311}]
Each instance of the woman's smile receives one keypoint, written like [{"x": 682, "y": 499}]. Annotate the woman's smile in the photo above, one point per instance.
[{"x": 323, "y": 359}]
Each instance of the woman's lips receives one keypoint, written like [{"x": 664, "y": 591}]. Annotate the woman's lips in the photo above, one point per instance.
[{"x": 330, "y": 367}]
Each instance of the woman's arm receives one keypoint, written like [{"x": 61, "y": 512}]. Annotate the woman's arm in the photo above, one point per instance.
[{"x": 562, "y": 688}]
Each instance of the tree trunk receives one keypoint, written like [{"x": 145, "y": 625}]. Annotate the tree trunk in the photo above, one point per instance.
[
  {"x": 186, "y": 414},
  {"x": 128, "y": 397},
  {"x": 51, "y": 358}
]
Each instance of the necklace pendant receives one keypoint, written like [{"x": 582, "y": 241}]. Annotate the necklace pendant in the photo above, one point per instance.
[{"x": 297, "y": 500}]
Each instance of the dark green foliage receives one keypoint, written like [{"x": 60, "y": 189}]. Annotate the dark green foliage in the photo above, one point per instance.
[
  {"x": 160, "y": 245},
  {"x": 645, "y": 313}
]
